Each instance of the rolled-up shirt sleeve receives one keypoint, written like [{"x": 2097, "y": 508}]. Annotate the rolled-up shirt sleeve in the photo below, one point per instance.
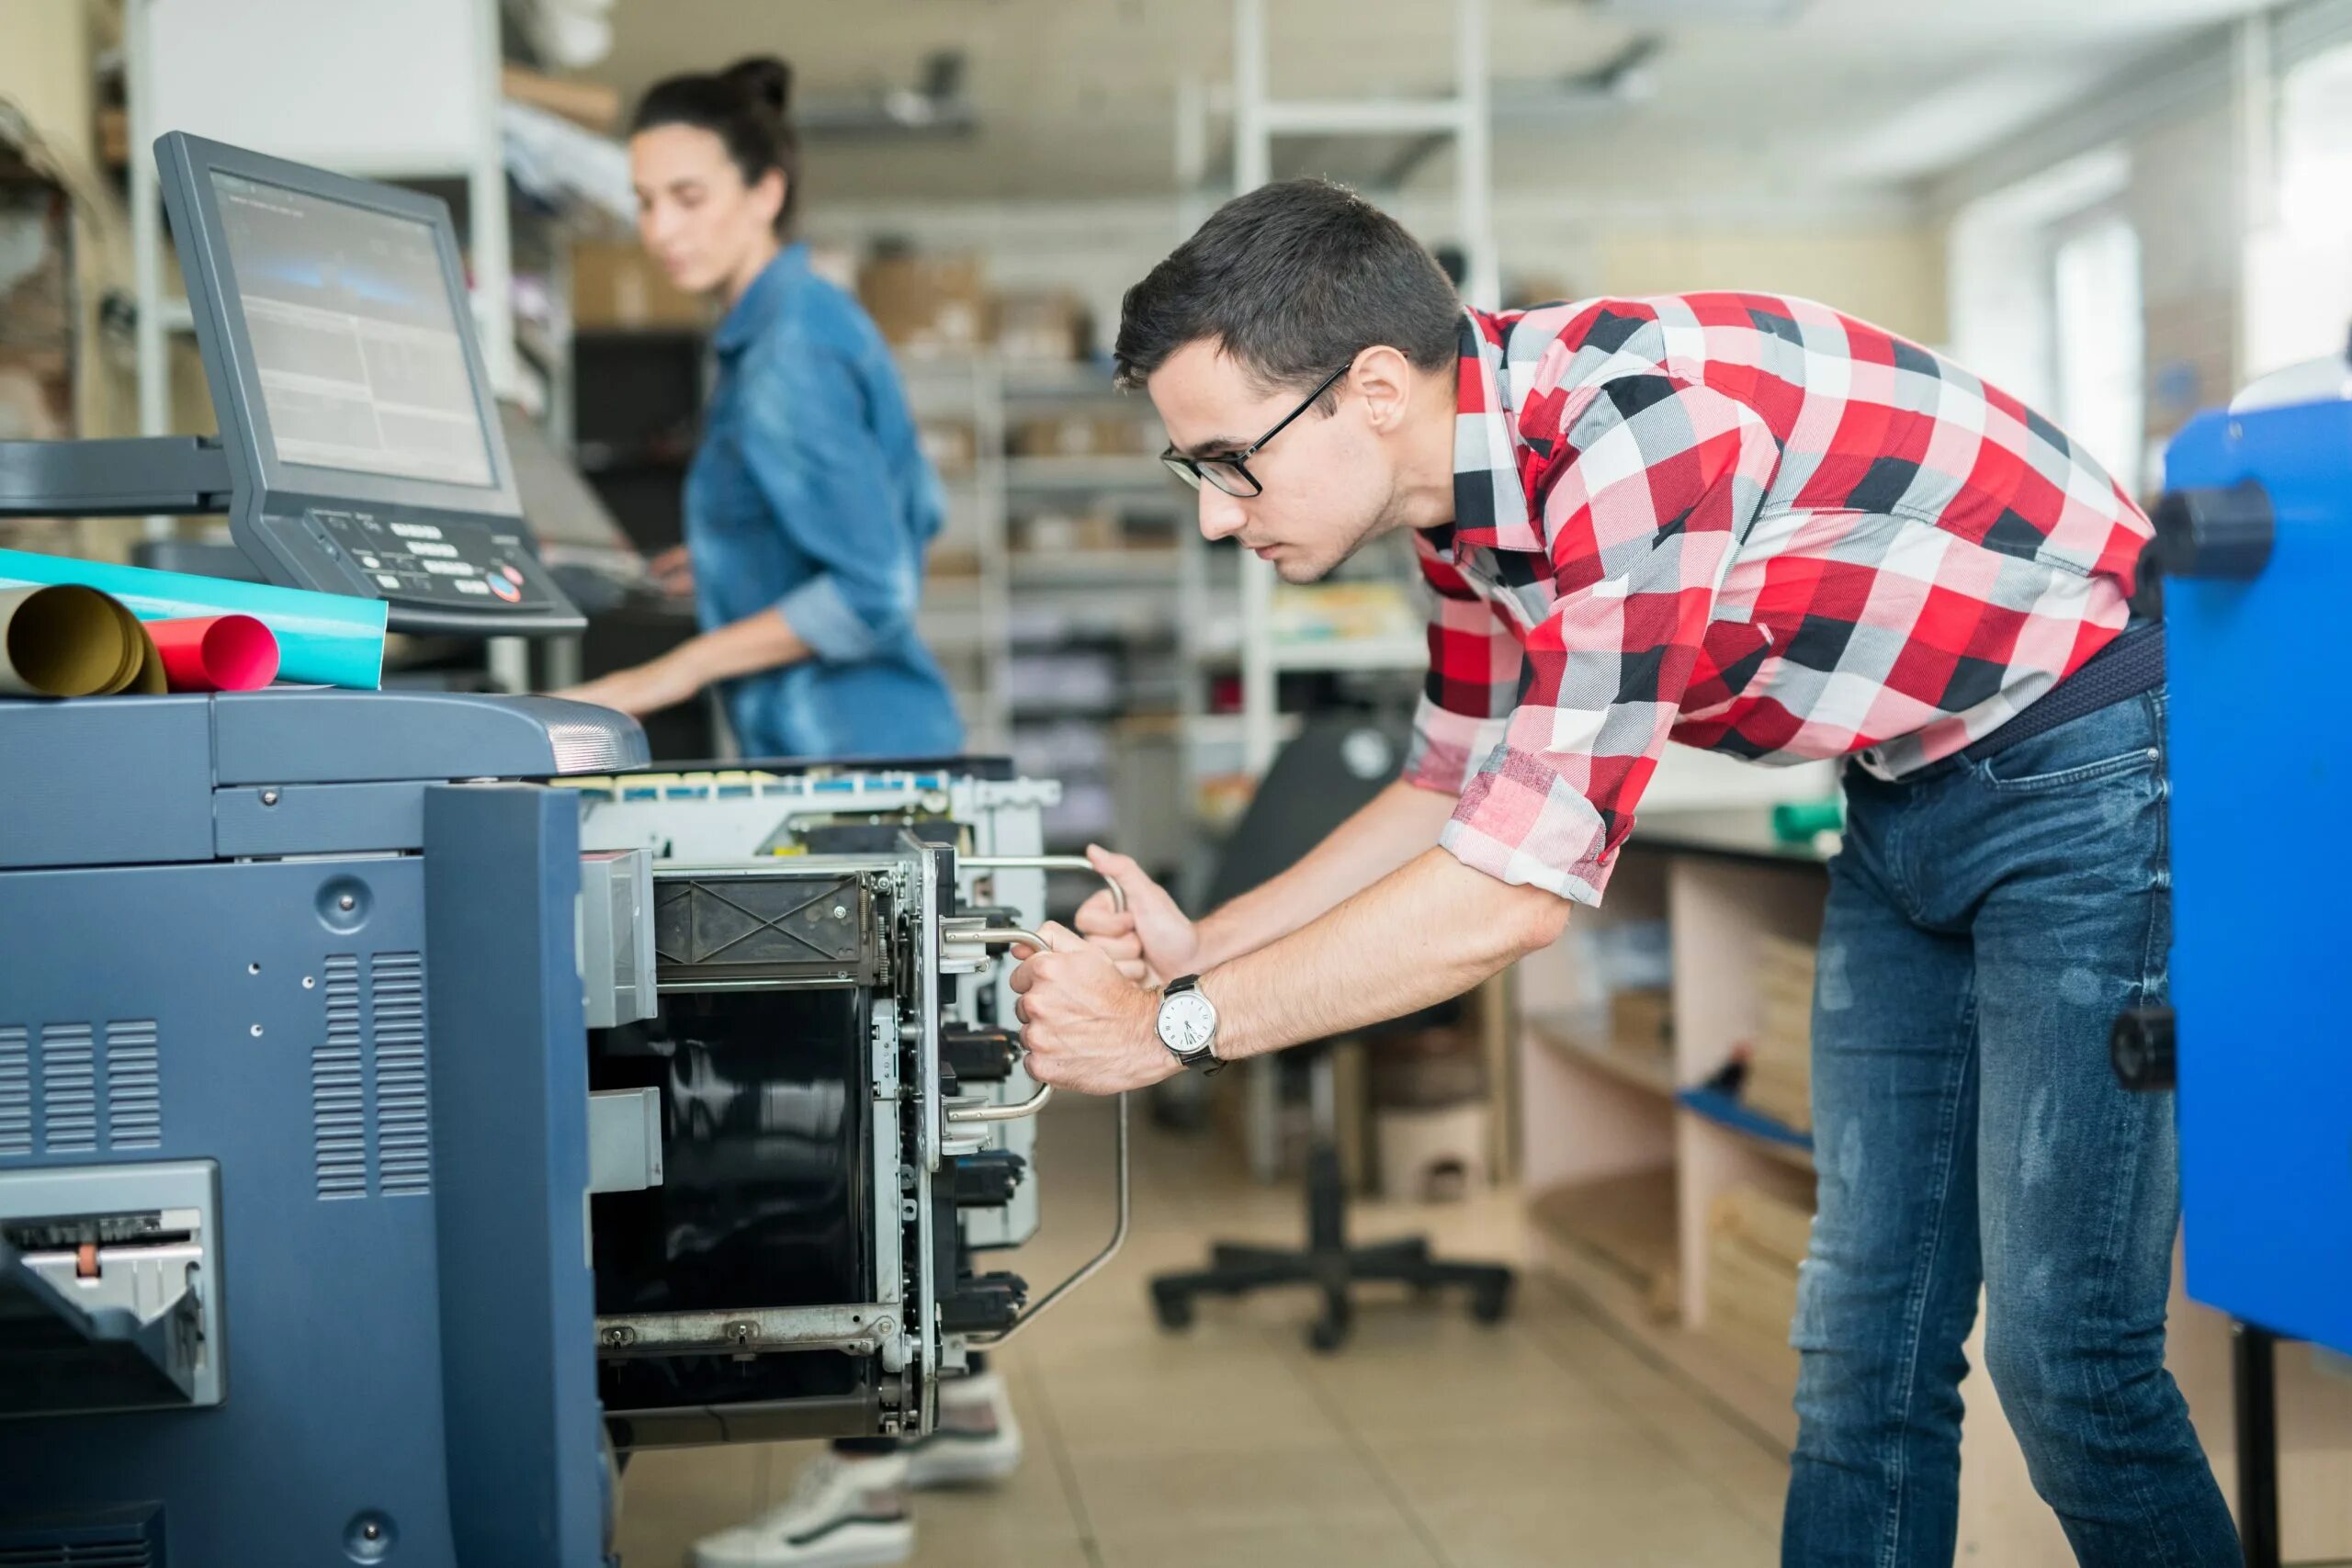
[
  {"x": 1652, "y": 483},
  {"x": 1473, "y": 684},
  {"x": 833, "y": 494}
]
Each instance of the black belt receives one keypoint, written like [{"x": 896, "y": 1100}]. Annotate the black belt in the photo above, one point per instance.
[{"x": 2132, "y": 663}]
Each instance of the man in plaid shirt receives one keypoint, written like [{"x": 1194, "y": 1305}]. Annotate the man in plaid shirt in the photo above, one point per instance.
[{"x": 1746, "y": 523}]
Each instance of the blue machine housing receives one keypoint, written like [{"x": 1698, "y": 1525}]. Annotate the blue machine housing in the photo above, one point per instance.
[
  {"x": 2261, "y": 844},
  {"x": 355, "y": 996}
]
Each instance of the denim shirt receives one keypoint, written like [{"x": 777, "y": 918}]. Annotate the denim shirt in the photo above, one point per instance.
[{"x": 810, "y": 495}]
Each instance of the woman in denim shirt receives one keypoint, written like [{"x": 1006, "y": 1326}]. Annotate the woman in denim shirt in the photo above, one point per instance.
[{"x": 809, "y": 503}]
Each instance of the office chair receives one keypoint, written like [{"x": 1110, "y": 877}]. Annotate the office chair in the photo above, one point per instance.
[{"x": 1335, "y": 765}]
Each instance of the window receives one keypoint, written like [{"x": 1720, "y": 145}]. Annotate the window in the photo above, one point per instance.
[
  {"x": 2046, "y": 304},
  {"x": 2299, "y": 268},
  {"x": 2095, "y": 286}
]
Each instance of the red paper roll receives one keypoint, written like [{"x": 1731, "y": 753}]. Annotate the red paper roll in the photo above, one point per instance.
[{"x": 216, "y": 653}]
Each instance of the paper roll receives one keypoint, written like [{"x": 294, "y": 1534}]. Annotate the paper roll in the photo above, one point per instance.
[
  {"x": 144, "y": 678},
  {"x": 216, "y": 653},
  {"x": 64, "y": 641},
  {"x": 325, "y": 639}
]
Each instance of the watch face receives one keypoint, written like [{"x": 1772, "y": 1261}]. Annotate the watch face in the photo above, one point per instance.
[{"x": 1186, "y": 1024}]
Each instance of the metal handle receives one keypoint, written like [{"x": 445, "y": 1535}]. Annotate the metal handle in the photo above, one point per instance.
[
  {"x": 1003, "y": 936},
  {"x": 1017, "y": 1112},
  {"x": 1043, "y": 863},
  {"x": 1086, "y": 1271},
  {"x": 1000, "y": 936}
]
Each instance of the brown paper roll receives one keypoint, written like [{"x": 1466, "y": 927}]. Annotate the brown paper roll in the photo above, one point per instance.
[
  {"x": 65, "y": 641},
  {"x": 145, "y": 678}
]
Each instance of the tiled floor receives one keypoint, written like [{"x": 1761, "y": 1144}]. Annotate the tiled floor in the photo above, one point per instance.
[{"x": 1428, "y": 1442}]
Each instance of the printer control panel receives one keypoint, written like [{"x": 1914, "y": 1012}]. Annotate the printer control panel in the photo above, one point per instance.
[
  {"x": 459, "y": 564},
  {"x": 439, "y": 574}
]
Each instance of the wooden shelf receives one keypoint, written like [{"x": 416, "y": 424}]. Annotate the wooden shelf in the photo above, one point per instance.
[
  {"x": 1650, "y": 1068},
  {"x": 1788, "y": 1154},
  {"x": 1146, "y": 567},
  {"x": 1747, "y": 1387},
  {"x": 1627, "y": 1223}
]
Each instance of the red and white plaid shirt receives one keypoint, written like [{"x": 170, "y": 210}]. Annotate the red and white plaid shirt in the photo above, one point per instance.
[{"x": 1749, "y": 524}]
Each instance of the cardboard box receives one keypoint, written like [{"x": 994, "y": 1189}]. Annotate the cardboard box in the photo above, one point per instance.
[
  {"x": 1779, "y": 1064},
  {"x": 35, "y": 394},
  {"x": 1042, "y": 325},
  {"x": 1755, "y": 1243},
  {"x": 1082, "y": 436},
  {"x": 927, "y": 306},
  {"x": 951, "y": 447},
  {"x": 1063, "y": 533},
  {"x": 616, "y": 285},
  {"x": 1643, "y": 1018}
]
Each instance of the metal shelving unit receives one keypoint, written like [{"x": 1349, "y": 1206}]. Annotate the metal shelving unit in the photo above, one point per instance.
[
  {"x": 1163, "y": 611},
  {"x": 1259, "y": 120}
]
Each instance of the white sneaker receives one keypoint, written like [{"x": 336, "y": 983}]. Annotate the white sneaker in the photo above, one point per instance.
[
  {"x": 845, "y": 1511},
  {"x": 977, "y": 1440}
]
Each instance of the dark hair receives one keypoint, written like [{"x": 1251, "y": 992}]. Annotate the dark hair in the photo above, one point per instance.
[
  {"x": 1292, "y": 281},
  {"x": 748, "y": 107}
]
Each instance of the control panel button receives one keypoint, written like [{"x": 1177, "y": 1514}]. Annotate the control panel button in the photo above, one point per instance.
[
  {"x": 424, "y": 548},
  {"x": 385, "y": 579},
  {"x": 504, "y": 589},
  {"x": 473, "y": 585},
  {"x": 417, "y": 531}
]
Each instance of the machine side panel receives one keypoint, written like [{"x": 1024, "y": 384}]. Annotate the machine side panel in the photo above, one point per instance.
[
  {"x": 2262, "y": 852},
  {"x": 123, "y": 781},
  {"x": 253, "y": 823},
  {"x": 510, "y": 1107},
  {"x": 240, "y": 1014}
]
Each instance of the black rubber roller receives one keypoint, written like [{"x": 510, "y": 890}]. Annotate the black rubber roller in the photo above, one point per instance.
[{"x": 2215, "y": 532}]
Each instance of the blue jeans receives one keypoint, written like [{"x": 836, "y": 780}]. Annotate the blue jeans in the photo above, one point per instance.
[{"x": 1986, "y": 921}]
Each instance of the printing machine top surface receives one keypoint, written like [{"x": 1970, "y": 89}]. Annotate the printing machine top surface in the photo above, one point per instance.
[{"x": 144, "y": 780}]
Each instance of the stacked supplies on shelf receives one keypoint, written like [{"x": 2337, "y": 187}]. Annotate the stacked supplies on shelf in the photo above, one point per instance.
[
  {"x": 1755, "y": 1243},
  {"x": 1345, "y": 612},
  {"x": 1780, "y": 1062}
]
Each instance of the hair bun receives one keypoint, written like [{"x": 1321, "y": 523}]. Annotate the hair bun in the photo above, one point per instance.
[{"x": 764, "y": 79}]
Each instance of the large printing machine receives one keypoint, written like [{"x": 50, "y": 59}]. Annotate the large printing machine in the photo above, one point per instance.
[{"x": 405, "y": 1104}]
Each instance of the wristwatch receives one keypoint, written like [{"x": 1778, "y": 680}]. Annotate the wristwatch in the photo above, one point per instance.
[{"x": 1188, "y": 1024}]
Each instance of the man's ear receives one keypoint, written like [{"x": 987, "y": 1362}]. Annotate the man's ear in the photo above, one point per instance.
[{"x": 1384, "y": 378}]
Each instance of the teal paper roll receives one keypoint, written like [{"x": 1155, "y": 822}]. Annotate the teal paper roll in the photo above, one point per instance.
[{"x": 324, "y": 639}]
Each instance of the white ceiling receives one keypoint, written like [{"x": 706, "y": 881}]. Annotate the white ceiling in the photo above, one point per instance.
[{"x": 1079, "y": 98}]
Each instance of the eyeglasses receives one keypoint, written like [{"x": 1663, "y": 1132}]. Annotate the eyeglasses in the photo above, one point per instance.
[{"x": 1231, "y": 474}]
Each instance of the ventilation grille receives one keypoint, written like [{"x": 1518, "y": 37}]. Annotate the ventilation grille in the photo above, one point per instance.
[
  {"x": 104, "y": 1538},
  {"x": 16, "y": 1094},
  {"x": 403, "y": 1129},
  {"x": 339, "y": 1089},
  {"x": 69, "y": 1090},
  {"x": 80, "y": 1554},
  {"x": 134, "y": 1087}
]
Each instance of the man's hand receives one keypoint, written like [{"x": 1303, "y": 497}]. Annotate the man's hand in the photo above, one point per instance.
[
  {"x": 1088, "y": 1027},
  {"x": 648, "y": 688},
  {"x": 1150, "y": 941}
]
